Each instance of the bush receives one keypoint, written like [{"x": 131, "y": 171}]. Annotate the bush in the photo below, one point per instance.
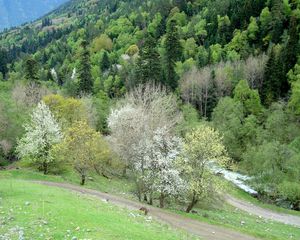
[{"x": 291, "y": 192}]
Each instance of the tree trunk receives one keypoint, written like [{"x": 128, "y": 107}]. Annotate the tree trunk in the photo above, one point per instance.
[
  {"x": 150, "y": 199},
  {"x": 124, "y": 171},
  {"x": 162, "y": 201},
  {"x": 82, "y": 180},
  {"x": 192, "y": 204},
  {"x": 45, "y": 168}
]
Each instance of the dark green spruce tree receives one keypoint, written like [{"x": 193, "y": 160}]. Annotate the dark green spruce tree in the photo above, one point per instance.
[
  {"x": 288, "y": 56},
  {"x": 31, "y": 70},
  {"x": 3, "y": 62},
  {"x": 277, "y": 23},
  {"x": 270, "y": 90},
  {"x": 148, "y": 67},
  {"x": 84, "y": 70},
  {"x": 105, "y": 62},
  {"x": 173, "y": 53},
  {"x": 290, "y": 52}
]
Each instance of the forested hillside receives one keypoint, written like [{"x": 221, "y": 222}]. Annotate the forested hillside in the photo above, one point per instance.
[
  {"x": 231, "y": 73},
  {"x": 16, "y": 12}
]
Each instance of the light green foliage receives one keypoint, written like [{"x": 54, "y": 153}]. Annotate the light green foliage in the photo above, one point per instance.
[
  {"x": 103, "y": 42},
  {"x": 216, "y": 52},
  {"x": 280, "y": 125},
  {"x": 202, "y": 145},
  {"x": 12, "y": 117},
  {"x": 66, "y": 110},
  {"x": 269, "y": 160},
  {"x": 290, "y": 191},
  {"x": 189, "y": 48},
  {"x": 180, "y": 17},
  {"x": 132, "y": 50},
  {"x": 190, "y": 119},
  {"x": 250, "y": 131},
  {"x": 200, "y": 30},
  {"x": 273, "y": 164},
  {"x": 252, "y": 29},
  {"x": 124, "y": 41},
  {"x": 294, "y": 102},
  {"x": 102, "y": 104},
  {"x": 202, "y": 56},
  {"x": 223, "y": 22},
  {"x": 239, "y": 43},
  {"x": 182, "y": 68},
  {"x": 84, "y": 149},
  {"x": 155, "y": 26},
  {"x": 248, "y": 97},
  {"x": 119, "y": 26},
  {"x": 227, "y": 118}
]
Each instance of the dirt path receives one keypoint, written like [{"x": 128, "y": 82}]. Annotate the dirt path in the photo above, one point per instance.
[
  {"x": 203, "y": 230},
  {"x": 262, "y": 212}
]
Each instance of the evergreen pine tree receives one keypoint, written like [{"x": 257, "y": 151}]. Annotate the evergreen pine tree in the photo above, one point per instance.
[
  {"x": 173, "y": 51},
  {"x": 291, "y": 50},
  {"x": 3, "y": 62},
  {"x": 181, "y": 4},
  {"x": 105, "y": 62},
  {"x": 31, "y": 71},
  {"x": 277, "y": 20},
  {"x": 148, "y": 65},
  {"x": 84, "y": 70},
  {"x": 270, "y": 90}
]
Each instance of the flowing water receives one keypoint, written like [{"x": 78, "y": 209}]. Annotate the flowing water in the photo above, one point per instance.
[{"x": 237, "y": 179}]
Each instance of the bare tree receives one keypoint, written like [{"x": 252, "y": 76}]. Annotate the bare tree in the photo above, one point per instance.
[
  {"x": 195, "y": 86},
  {"x": 5, "y": 145},
  {"x": 254, "y": 70},
  {"x": 30, "y": 94},
  {"x": 221, "y": 79}
]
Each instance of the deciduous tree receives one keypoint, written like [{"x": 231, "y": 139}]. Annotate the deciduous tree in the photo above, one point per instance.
[
  {"x": 202, "y": 145},
  {"x": 84, "y": 149},
  {"x": 41, "y": 133}
]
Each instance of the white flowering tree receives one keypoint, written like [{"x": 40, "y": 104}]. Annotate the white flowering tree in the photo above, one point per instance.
[
  {"x": 127, "y": 125},
  {"x": 134, "y": 124},
  {"x": 136, "y": 118},
  {"x": 160, "y": 174},
  {"x": 41, "y": 133},
  {"x": 202, "y": 145}
]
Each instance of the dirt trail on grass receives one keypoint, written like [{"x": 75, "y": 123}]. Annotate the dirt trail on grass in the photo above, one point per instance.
[
  {"x": 262, "y": 212},
  {"x": 203, "y": 230}
]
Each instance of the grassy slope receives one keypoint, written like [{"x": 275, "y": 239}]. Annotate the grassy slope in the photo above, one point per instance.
[
  {"x": 50, "y": 213},
  {"x": 225, "y": 216},
  {"x": 238, "y": 193},
  {"x": 241, "y": 221}
]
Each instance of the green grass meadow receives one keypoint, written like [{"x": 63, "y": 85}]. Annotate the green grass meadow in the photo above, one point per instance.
[
  {"x": 64, "y": 211},
  {"x": 39, "y": 212}
]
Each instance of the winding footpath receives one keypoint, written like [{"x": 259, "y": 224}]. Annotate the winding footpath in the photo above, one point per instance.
[
  {"x": 201, "y": 229},
  {"x": 263, "y": 212}
]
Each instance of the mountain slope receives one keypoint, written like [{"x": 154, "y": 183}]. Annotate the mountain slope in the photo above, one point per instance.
[
  {"x": 235, "y": 61},
  {"x": 16, "y": 12}
]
